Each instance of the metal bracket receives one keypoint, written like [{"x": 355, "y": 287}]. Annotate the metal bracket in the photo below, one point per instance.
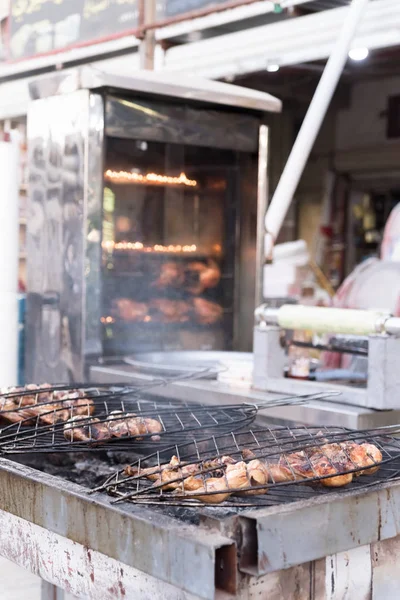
[
  {"x": 269, "y": 356},
  {"x": 383, "y": 372}
]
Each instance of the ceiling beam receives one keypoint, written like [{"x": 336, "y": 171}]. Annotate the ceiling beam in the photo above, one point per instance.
[{"x": 287, "y": 42}]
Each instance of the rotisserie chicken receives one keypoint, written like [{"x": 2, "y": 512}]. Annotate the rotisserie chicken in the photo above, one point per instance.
[
  {"x": 206, "y": 312},
  {"x": 172, "y": 311},
  {"x": 208, "y": 275},
  {"x": 171, "y": 275},
  {"x": 130, "y": 310}
]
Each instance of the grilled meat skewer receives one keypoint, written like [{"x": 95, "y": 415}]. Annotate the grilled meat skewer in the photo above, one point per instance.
[
  {"x": 328, "y": 459},
  {"x": 172, "y": 473},
  {"x": 224, "y": 476},
  {"x": 237, "y": 476},
  {"x": 117, "y": 425},
  {"x": 49, "y": 406}
]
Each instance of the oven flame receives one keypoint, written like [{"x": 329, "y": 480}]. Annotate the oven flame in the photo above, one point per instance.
[
  {"x": 110, "y": 246},
  {"x": 148, "y": 178},
  {"x": 107, "y": 320}
]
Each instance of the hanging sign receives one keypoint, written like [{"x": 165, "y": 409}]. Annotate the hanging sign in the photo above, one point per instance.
[{"x": 46, "y": 26}]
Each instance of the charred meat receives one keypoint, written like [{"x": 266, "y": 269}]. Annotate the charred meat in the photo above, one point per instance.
[
  {"x": 206, "y": 312},
  {"x": 116, "y": 425},
  {"x": 208, "y": 276},
  {"x": 171, "y": 311},
  {"x": 214, "y": 480},
  {"x": 45, "y": 403},
  {"x": 129, "y": 310},
  {"x": 171, "y": 275}
]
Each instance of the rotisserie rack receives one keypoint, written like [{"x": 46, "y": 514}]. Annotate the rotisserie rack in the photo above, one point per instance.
[
  {"x": 260, "y": 467},
  {"x": 56, "y": 419}
]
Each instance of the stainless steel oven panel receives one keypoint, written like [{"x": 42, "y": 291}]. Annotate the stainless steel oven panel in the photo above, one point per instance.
[
  {"x": 57, "y": 155},
  {"x": 93, "y": 204}
]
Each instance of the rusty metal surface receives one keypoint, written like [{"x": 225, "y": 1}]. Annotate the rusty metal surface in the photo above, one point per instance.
[
  {"x": 183, "y": 555},
  {"x": 270, "y": 539},
  {"x": 365, "y": 572},
  {"x": 385, "y": 583},
  {"x": 281, "y": 537},
  {"x": 76, "y": 569},
  {"x": 349, "y": 575},
  {"x": 92, "y": 575}
]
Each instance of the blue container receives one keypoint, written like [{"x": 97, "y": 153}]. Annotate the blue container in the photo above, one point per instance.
[{"x": 21, "y": 338}]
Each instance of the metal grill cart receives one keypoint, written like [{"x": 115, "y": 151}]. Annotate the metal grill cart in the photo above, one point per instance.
[
  {"x": 309, "y": 547},
  {"x": 146, "y": 202},
  {"x": 302, "y": 542}
]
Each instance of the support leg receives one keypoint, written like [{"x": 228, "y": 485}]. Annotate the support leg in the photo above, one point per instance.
[{"x": 51, "y": 592}]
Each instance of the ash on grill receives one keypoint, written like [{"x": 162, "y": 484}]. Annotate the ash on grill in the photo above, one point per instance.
[
  {"x": 57, "y": 419},
  {"x": 270, "y": 463}
]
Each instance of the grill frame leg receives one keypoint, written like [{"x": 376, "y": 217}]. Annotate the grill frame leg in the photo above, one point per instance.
[{"x": 49, "y": 591}]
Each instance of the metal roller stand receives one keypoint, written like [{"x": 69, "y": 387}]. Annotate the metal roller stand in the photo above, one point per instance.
[{"x": 383, "y": 358}]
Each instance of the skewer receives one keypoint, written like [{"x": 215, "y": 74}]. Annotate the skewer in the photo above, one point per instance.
[
  {"x": 175, "y": 418},
  {"x": 388, "y": 447}
]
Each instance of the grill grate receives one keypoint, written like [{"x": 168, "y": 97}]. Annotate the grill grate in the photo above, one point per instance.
[
  {"x": 262, "y": 467},
  {"x": 65, "y": 419}
]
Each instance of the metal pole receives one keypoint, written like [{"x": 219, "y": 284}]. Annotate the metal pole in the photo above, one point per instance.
[
  {"x": 311, "y": 125},
  {"x": 262, "y": 203},
  {"x": 9, "y": 200},
  {"x": 148, "y": 43},
  {"x": 50, "y": 592}
]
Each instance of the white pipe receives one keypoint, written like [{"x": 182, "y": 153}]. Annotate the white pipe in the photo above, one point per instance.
[
  {"x": 328, "y": 320},
  {"x": 331, "y": 320},
  {"x": 311, "y": 125},
  {"x": 9, "y": 177}
]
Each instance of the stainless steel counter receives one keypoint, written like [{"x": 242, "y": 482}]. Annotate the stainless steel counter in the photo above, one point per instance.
[{"x": 218, "y": 392}]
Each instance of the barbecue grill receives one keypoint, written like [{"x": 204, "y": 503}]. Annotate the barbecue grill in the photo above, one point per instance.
[
  {"x": 269, "y": 450},
  {"x": 88, "y": 546},
  {"x": 65, "y": 419}
]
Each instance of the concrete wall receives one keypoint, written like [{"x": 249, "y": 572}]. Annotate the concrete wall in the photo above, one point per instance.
[
  {"x": 361, "y": 142},
  {"x": 364, "y": 123},
  {"x": 282, "y": 136}
]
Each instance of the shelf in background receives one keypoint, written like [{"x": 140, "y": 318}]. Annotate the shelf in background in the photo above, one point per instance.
[
  {"x": 159, "y": 325},
  {"x": 165, "y": 254},
  {"x": 193, "y": 190}
]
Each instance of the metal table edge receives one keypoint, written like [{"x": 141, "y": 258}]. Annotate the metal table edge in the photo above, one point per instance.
[
  {"x": 288, "y": 535},
  {"x": 181, "y": 554}
]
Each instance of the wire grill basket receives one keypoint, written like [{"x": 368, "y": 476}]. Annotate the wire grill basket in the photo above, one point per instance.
[
  {"x": 65, "y": 419},
  {"x": 260, "y": 467}
]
